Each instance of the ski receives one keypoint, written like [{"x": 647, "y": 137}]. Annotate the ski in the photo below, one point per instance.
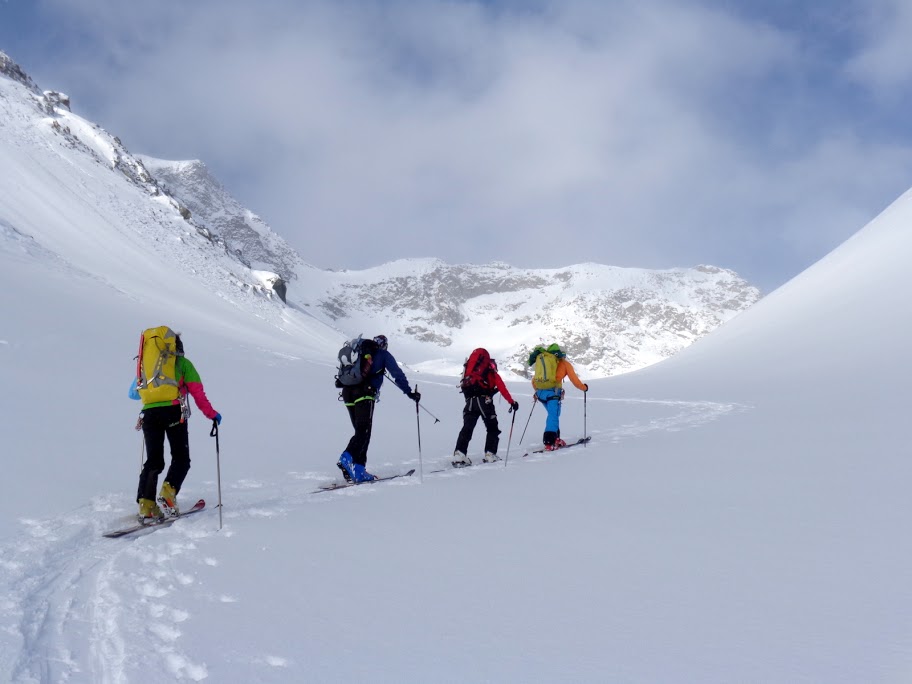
[
  {"x": 332, "y": 486},
  {"x": 164, "y": 522},
  {"x": 581, "y": 440},
  {"x": 474, "y": 464}
]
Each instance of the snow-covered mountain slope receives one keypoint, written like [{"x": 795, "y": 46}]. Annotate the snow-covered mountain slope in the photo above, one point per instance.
[
  {"x": 610, "y": 320},
  {"x": 844, "y": 322},
  {"x": 245, "y": 233},
  {"x": 739, "y": 515},
  {"x": 72, "y": 189}
]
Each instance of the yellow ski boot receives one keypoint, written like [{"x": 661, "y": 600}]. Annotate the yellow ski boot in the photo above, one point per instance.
[
  {"x": 149, "y": 511},
  {"x": 167, "y": 499}
]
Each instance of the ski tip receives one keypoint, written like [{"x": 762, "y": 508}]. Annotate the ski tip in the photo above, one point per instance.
[{"x": 410, "y": 473}]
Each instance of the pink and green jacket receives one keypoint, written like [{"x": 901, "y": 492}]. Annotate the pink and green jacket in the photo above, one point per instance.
[{"x": 189, "y": 382}]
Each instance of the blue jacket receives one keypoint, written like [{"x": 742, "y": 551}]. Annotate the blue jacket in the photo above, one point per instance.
[{"x": 382, "y": 361}]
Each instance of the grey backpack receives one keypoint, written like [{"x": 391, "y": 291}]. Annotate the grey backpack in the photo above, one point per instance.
[{"x": 355, "y": 359}]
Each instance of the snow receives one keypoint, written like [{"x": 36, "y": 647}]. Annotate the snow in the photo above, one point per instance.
[{"x": 740, "y": 514}]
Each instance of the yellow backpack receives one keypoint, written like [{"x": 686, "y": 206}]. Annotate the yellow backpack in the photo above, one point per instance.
[
  {"x": 545, "y": 371},
  {"x": 156, "y": 372}
]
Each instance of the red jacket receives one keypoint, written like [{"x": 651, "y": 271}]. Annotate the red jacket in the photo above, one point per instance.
[{"x": 499, "y": 384}]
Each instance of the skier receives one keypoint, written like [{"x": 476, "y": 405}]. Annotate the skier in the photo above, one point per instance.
[
  {"x": 551, "y": 367},
  {"x": 359, "y": 400},
  {"x": 164, "y": 378},
  {"x": 480, "y": 382}
]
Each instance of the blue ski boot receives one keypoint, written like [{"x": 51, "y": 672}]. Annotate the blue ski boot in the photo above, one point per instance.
[
  {"x": 345, "y": 462},
  {"x": 360, "y": 474}
]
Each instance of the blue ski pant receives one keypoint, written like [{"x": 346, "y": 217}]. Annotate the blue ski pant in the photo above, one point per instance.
[{"x": 551, "y": 400}]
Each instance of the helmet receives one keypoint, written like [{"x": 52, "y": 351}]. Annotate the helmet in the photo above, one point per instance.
[{"x": 381, "y": 341}]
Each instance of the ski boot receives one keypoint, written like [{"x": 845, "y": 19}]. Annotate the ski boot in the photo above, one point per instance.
[
  {"x": 460, "y": 460},
  {"x": 360, "y": 474},
  {"x": 149, "y": 511},
  {"x": 490, "y": 458},
  {"x": 345, "y": 464},
  {"x": 167, "y": 501},
  {"x": 348, "y": 478},
  {"x": 353, "y": 472}
]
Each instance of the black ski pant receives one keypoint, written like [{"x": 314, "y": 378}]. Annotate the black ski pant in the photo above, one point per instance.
[
  {"x": 475, "y": 408},
  {"x": 361, "y": 414},
  {"x": 157, "y": 423}
]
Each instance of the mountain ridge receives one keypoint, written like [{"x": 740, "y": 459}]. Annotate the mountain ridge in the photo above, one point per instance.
[{"x": 609, "y": 319}]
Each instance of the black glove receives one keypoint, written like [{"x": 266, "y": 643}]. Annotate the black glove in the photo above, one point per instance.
[
  {"x": 414, "y": 396},
  {"x": 514, "y": 406}
]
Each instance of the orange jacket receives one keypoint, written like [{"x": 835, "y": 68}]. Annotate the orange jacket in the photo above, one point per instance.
[{"x": 565, "y": 370}]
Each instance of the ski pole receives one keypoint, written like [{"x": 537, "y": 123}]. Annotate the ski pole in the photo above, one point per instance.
[
  {"x": 585, "y": 412},
  {"x": 418, "y": 421},
  {"x": 510, "y": 440},
  {"x": 436, "y": 419},
  {"x": 534, "y": 402},
  {"x": 218, "y": 467}
]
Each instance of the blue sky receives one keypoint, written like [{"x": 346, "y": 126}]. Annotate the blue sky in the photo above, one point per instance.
[{"x": 656, "y": 133}]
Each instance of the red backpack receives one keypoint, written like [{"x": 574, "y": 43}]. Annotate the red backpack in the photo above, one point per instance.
[{"x": 478, "y": 374}]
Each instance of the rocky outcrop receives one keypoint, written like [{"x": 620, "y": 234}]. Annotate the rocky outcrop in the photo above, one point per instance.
[
  {"x": 9, "y": 68},
  {"x": 611, "y": 320}
]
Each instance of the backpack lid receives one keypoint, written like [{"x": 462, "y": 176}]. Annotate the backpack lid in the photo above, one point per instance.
[
  {"x": 356, "y": 348},
  {"x": 555, "y": 349},
  {"x": 478, "y": 368},
  {"x": 479, "y": 355}
]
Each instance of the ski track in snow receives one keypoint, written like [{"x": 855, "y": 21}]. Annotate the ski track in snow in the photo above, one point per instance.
[
  {"x": 683, "y": 415},
  {"x": 80, "y": 619}
]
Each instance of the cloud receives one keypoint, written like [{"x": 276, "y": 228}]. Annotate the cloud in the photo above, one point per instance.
[
  {"x": 883, "y": 62},
  {"x": 651, "y": 134}
]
